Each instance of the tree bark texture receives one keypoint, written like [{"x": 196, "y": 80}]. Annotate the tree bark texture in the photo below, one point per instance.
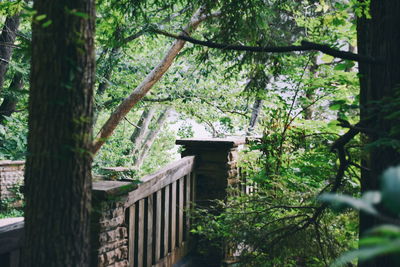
[
  {"x": 141, "y": 90},
  {"x": 7, "y": 39},
  {"x": 9, "y": 104},
  {"x": 58, "y": 166},
  {"x": 379, "y": 37}
]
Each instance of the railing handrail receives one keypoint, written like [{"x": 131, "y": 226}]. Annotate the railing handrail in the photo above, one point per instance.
[{"x": 156, "y": 181}]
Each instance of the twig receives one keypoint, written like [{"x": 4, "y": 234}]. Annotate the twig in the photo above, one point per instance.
[{"x": 131, "y": 123}]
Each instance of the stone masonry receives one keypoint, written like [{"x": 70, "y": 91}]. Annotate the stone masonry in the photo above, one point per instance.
[
  {"x": 11, "y": 174},
  {"x": 109, "y": 228}
]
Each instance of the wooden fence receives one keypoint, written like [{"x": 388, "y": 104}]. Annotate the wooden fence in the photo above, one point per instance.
[
  {"x": 148, "y": 224},
  {"x": 158, "y": 219}
]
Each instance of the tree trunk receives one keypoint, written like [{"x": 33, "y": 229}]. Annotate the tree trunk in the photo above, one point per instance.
[
  {"x": 58, "y": 166},
  {"x": 9, "y": 104},
  {"x": 141, "y": 90},
  {"x": 111, "y": 60},
  {"x": 139, "y": 134},
  {"x": 379, "y": 37},
  {"x": 255, "y": 112},
  {"x": 151, "y": 137},
  {"x": 7, "y": 39},
  {"x": 310, "y": 92}
]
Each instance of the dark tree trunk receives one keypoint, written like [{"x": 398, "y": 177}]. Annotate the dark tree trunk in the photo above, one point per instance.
[
  {"x": 58, "y": 167},
  {"x": 379, "y": 37},
  {"x": 9, "y": 104},
  {"x": 7, "y": 39}
]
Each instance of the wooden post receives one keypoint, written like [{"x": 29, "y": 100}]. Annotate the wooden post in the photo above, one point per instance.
[{"x": 215, "y": 169}]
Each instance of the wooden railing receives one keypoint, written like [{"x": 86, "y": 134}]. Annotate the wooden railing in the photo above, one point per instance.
[
  {"x": 10, "y": 243},
  {"x": 158, "y": 220},
  {"x": 148, "y": 224}
]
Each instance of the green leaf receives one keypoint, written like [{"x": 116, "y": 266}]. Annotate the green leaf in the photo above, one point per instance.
[
  {"x": 388, "y": 230},
  {"x": 372, "y": 241},
  {"x": 372, "y": 197},
  {"x": 391, "y": 189},
  {"x": 340, "y": 66},
  {"x": 364, "y": 254},
  {"x": 40, "y": 17},
  {"x": 327, "y": 58},
  {"x": 80, "y": 14},
  {"x": 46, "y": 24},
  {"x": 341, "y": 201},
  {"x": 336, "y": 106}
]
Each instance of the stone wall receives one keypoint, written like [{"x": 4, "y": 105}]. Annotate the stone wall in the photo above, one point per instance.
[
  {"x": 109, "y": 230},
  {"x": 11, "y": 174},
  {"x": 113, "y": 235}
]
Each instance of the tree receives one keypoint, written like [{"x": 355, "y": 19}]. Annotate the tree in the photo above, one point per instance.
[
  {"x": 141, "y": 90},
  {"x": 58, "y": 166},
  {"x": 378, "y": 37},
  {"x": 7, "y": 38},
  {"x": 378, "y": 42}
]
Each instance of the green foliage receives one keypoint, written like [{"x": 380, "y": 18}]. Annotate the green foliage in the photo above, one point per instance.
[
  {"x": 13, "y": 138},
  {"x": 385, "y": 238},
  {"x": 11, "y": 7},
  {"x": 185, "y": 131},
  {"x": 13, "y": 206},
  {"x": 278, "y": 222},
  {"x": 117, "y": 150}
]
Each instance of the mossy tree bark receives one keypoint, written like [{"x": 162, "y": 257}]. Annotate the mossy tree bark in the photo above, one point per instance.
[
  {"x": 379, "y": 37},
  {"x": 58, "y": 166}
]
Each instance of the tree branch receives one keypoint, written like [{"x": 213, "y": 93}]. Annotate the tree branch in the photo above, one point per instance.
[
  {"x": 305, "y": 46},
  {"x": 141, "y": 90}
]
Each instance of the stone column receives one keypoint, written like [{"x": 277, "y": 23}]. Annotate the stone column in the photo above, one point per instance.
[
  {"x": 215, "y": 170},
  {"x": 109, "y": 228},
  {"x": 216, "y": 165}
]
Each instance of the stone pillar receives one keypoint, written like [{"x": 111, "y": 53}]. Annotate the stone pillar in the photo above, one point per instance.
[
  {"x": 109, "y": 228},
  {"x": 216, "y": 165},
  {"x": 215, "y": 170}
]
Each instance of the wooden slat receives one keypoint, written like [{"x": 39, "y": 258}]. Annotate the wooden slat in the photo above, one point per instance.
[
  {"x": 174, "y": 256},
  {"x": 149, "y": 222},
  {"x": 155, "y": 182},
  {"x": 193, "y": 188},
  {"x": 173, "y": 216},
  {"x": 159, "y": 211},
  {"x": 166, "y": 221},
  {"x": 180, "y": 210},
  {"x": 141, "y": 234},
  {"x": 131, "y": 241},
  {"x": 188, "y": 179}
]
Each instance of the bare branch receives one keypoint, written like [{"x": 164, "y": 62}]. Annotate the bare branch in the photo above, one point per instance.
[{"x": 305, "y": 46}]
